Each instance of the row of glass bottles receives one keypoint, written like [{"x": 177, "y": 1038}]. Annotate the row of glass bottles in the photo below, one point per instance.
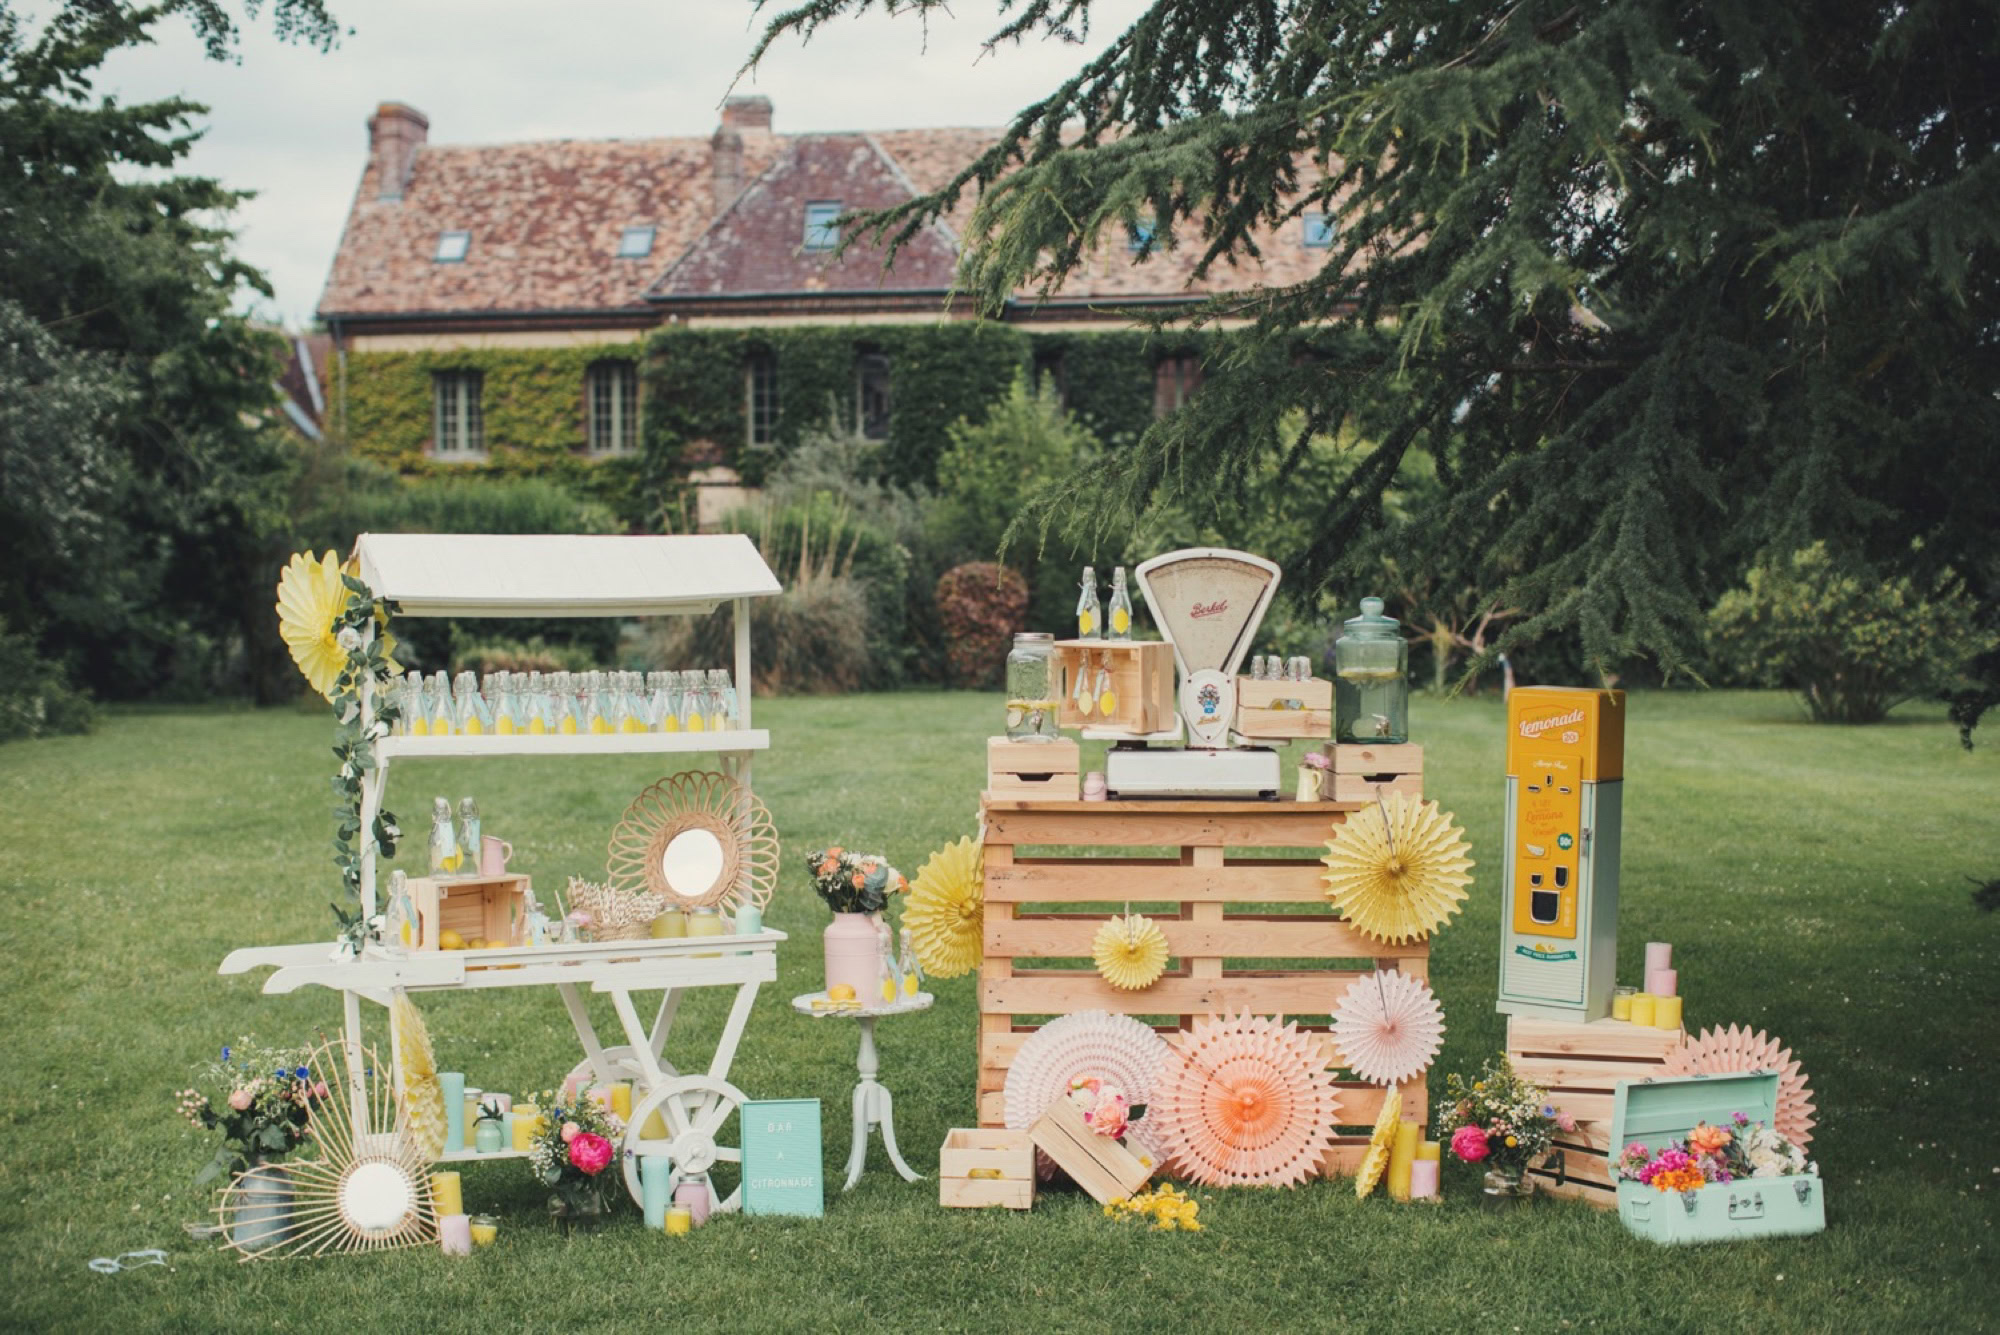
[
  {"x": 503, "y": 703},
  {"x": 1094, "y": 622},
  {"x": 898, "y": 980}
]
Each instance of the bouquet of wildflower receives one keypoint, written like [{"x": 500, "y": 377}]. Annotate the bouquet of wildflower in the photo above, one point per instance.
[
  {"x": 260, "y": 1098},
  {"x": 1713, "y": 1154},
  {"x": 854, "y": 882},
  {"x": 1164, "y": 1206},
  {"x": 1500, "y": 1117},
  {"x": 575, "y": 1140}
]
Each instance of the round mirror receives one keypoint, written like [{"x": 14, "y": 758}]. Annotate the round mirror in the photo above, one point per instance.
[
  {"x": 377, "y": 1198},
  {"x": 692, "y": 863}
]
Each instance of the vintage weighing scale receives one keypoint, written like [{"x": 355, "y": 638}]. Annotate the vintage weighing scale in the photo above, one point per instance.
[
  {"x": 1208, "y": 603},
  {"x": 1559, "y": 882}
]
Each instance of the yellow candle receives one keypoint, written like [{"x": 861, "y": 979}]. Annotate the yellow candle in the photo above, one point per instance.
[
  {"x": 671, "y": 923},
  {"x": 1428, "y": 1149},
  {"x": 472, "y": 1097},
  {"x": 1667, "y": 1013},
  {"x": 445, "y": 1195},
  {"x": 1401, "y": 1155},
  {"x": 621, "y": 1100},
  {"x": 679, "y": 1221},
  {"x": 1643, "y": 1004},
  {"x": 527, "y": 1118},
  {"x": 485, "y": 1228},
  {"x": 655, "y": 1128},
  {"x": 1621, "y": 1004}
]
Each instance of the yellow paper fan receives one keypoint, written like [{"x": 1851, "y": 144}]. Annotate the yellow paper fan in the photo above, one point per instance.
[
  {"x": 1396, "y": 869},
  {"x": 1131, "y": 952},
  {"x": 310, "y": 596},
  {"x": 1379, "y": 1145},
  {"x": 947, "y": 910},
  {"x": 423, "y": 1101}
]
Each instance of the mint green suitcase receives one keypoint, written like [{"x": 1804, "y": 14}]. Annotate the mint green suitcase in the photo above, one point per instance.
[{"x": 1657, "y": 1111}]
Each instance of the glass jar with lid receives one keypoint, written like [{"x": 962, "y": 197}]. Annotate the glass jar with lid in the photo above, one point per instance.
[
  {"x": 1371, "y": 678},
  {"x": 1031, "y": 689}
]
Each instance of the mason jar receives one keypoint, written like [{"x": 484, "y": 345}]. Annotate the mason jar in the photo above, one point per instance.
[
  {"x": 1031, "y": 688},
  {"x": 1371, "y": 678}
]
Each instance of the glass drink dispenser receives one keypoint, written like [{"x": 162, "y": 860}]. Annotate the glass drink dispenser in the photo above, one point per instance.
[{"x": 1371, "y": 678}]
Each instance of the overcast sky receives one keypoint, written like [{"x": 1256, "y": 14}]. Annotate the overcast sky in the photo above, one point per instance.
[{"x": 289, "y": 123}]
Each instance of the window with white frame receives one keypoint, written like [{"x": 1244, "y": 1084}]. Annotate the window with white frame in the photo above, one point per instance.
[
  {"x": 1318, "y": 229},
  {"x": 871, "y": 395},
  {"x": 611, "y": 402},
  {"x": 760, "y": 389},
  {"x": 822, "y": 233},
  {"x": 458, "y": 431}
]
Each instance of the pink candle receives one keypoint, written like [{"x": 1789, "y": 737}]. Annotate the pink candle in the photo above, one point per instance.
[
  {"x": 693, "y": 1194},
  {"x": 1659, "y": 955},
  {"x": 1663, "y": 982},
  {"x": 455, "y": 1234},
  {"x": 1424, "y": 1180}
]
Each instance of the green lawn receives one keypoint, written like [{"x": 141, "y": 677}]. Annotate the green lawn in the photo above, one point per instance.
[{"x": 1811, "y": 878}]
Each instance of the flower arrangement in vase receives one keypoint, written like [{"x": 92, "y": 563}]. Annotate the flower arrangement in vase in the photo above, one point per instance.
[
  {"x": 575, "y": 1140},
  {"x": 260, "y": 1098},
  {"x": 1743, "y": 1149},
  {"x": 1503, "y": 1121},
  {"x": 856, "y": 886}
]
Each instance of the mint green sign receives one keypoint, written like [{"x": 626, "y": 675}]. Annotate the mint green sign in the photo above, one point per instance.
[
  {"x": 781, "y": 1158},
  {"x": 1545, "y": 956},
  {"x": 1563, "y": 840}
]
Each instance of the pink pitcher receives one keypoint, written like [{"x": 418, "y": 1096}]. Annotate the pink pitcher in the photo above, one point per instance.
[{"x": 493, "y": 854}]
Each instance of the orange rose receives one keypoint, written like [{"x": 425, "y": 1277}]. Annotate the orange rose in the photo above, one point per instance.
[
  {"x": 833, "y": 852},
  {"x": 859, "y": 880},
  {"x": 827, "y": 868},
  {"x": 1706, "y": 1139}
]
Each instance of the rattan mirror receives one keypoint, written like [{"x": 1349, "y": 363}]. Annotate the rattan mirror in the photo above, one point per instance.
[{"x": 699, "y": 840}]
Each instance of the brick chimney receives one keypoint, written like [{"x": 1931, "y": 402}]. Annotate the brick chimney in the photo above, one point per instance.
[
  {"x": 395, "y": 133},
  {"x": 742, "y": 118}
]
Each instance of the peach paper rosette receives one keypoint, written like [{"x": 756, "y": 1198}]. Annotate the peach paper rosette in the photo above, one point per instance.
[{"x": 1245, "y": 1101}]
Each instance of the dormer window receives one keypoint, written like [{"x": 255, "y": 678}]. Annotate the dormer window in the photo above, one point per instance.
[
  {"x": 1318, "y": 230},
  {"x": 452, "y": 247},
  {"x": 636, "y": 243},
  {"x": 822, "y": 233}
]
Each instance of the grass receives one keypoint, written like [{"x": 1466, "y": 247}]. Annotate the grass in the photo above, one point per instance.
[{"x": 1812, "y": 879}]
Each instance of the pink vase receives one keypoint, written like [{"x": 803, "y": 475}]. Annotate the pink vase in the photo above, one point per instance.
[{"x": 853, "y": 954}]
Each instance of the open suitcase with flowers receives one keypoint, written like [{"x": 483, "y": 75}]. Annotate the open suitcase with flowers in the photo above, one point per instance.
[{"x": 1701, "y": 1163}]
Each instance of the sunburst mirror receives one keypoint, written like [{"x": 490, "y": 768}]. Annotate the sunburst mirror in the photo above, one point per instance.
[{"x": 700, "y": 840}]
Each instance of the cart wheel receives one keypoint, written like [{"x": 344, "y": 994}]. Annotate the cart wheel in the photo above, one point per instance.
[
  {"x": 624, "y": 1066},
  {"x": 696, "y": 1110}
]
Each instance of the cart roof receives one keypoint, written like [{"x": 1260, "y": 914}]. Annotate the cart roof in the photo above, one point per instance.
[{"x": 560, "y": 575}]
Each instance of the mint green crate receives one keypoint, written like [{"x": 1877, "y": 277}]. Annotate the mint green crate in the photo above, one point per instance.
[{"x": 1654, "y": 1112}]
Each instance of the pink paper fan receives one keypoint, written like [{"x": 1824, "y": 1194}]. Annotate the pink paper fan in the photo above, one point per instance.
[
  {"x": 1117, "y": 1049},
  {"x": 1245, "y": 1101},
  {"x": 1388, "y": 1027},
  {"x": 1734, "y": 1050}
]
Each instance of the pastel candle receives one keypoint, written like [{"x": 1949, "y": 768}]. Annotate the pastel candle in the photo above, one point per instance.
[
  {"x": 1621, "y": 1004},
  {"x": 1663, "y": 982},
  {"x": 1643, "y": 1004},
  {"x": 749, "y": 920},
  {"x": 525, "y": 1116},
  {"x": 1659, "y": 955},
  {"x": 451, "y": 1086},
  {"x": 1667, "y": 1013},
  {"x": 655, "y": 1128},
  {"x": 680, "y": 1222},
  {"x": 455, "y": 1234},
  {"x": 1429, "y": 1150},
  {"x": 621, "y": 1100},
  {"x": 656, "y": 1180},
  {"x": 693, "y": 1196},
  {"x": 1401, "y": 1155},
  {"x": 504, "y": 1102},
  {"x": 445, "y": 1195},
  {"x": 671, "y": 923},
  {"x": 1424, "y": 1180},
  {"x": 471, "y": 1114}
]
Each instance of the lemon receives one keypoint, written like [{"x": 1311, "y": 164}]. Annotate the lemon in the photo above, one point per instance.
[
  {"x": 476, "y": 943},
  {"x": 450, "y": 940},
  {"x": 840, "y": 992}
]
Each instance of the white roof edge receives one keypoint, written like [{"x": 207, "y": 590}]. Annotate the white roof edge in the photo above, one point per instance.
[{"x": 548, "y": 574}]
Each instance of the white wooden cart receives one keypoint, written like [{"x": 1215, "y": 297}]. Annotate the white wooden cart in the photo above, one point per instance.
[{"x": 456, "y": 575}]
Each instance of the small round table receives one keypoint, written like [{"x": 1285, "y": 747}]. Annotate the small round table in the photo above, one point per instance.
[{"x": 873, "y": 1105}]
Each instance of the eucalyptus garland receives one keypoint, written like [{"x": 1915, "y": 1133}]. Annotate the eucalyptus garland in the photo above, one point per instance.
[{"x": 361, "y": 632}]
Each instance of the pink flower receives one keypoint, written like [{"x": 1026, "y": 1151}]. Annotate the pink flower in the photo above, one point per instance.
[
  {"x": 590, "y": 1152},
  {"x": 1469, "y": 1144},
  {"x": 1564, "y": 1120},
  {"x": 319, "y": 1089},
  {"x": 241, "y": 1100},
  {"x": 1110, "y": 1116},
  {"x": 570, "y": 1131}
]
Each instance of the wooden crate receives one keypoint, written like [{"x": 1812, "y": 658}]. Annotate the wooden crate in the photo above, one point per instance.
[
  {"x": 1362, "y": 772},
  {"x": 1004, "y": 1165},
  {"x": 1248, "y": 933},
  {"x": 1580, "y": 1065},
  {"x": 1098, "y": 1164},
  {"x": 1033, "y": 769},
  {"x": 1284, "y": 710},
  {"x": 492, "y": 907},
  {"x": 1142, "y": 675}
]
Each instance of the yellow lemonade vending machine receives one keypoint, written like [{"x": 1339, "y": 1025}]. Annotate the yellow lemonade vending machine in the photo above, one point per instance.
[{"x": 1559, "y": 910}]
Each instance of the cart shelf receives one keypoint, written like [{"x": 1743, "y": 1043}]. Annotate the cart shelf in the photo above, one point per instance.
[{"x": 575, "y": 744}]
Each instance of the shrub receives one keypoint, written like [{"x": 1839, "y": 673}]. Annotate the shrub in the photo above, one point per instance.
[
  {"x": 1853, "y": 644},
  {"x": 530, "y": 655},
  {"x": 36, "y": 698},
  {"x": 980, "y": 606}
]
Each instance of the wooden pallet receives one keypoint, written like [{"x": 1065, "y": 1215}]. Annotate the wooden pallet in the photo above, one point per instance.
[
  {"x": 1247, "y": 933},
  {"x": 1580, "y": 1065}
]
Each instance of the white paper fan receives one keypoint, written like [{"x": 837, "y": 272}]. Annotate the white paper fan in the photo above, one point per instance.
[
  {"x": 1388, "y": 1027},
  {"x": 1117, "y": 1049}
]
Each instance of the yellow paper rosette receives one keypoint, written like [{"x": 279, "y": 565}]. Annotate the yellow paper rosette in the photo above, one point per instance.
[
  {"x": 1131, "y": 952},
  {"x": 947, "y": 910},
  {"x": 1396, "y": 869},
  {"x": 310, "y": 598},
  {"x": 423, "y": 1100},
  {"x": 1379, "y": 1145}
]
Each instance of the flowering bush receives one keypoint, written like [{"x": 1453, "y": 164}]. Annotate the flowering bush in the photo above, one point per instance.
[
  {"x": 854, "y": 882},
  {"x": 259, "y": 1098},
  {"x": 1712, "y": 1154},
  {"x": 574, "y": 1141},
  {"x": 1500, "y": 1117}
]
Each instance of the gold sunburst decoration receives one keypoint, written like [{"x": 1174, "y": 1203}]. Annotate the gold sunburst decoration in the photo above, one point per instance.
[
  {"x": 1397, "y": 868},
  {"x": 946, "y": 914},
  {"x": 1376, "y": 1162},
  {"x": 1131, "y": 951},
  {"x": 416, "y": 1066},
  {"x": 310, "y": 598}
]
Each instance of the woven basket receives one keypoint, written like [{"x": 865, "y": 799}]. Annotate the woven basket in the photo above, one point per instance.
[{"x": 615, "y": 915}]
